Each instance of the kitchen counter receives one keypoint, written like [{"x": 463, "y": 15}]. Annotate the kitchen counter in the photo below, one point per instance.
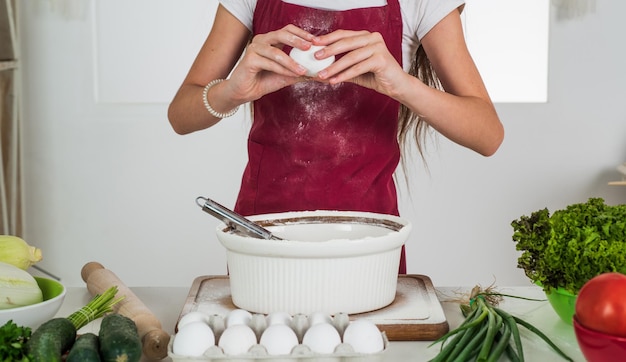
[{"x": 167, "y": 303}]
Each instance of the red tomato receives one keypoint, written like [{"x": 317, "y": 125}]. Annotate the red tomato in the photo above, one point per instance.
[{"x": 601, "y": 304}]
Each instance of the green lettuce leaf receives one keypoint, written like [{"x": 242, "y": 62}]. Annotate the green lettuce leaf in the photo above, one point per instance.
[{"x": 571, "y": 246}]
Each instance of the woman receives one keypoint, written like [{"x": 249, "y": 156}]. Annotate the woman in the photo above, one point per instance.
[{"x": 333, "y": 141}]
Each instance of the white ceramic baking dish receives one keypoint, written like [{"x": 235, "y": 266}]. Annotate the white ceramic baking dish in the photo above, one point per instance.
[{"x": 327, "y": 261}]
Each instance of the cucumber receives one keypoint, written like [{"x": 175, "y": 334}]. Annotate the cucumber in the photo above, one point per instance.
[
  {"x": 119, "y": 339},
  {"x": 85, "y": 349},
  {"x": 51, "y": 340}
]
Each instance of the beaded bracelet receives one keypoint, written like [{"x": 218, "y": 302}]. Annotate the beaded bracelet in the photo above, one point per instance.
[{"x": 208, "y": 106}]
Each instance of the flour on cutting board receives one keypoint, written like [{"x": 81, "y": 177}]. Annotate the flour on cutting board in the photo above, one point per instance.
[
  {"x": 214, "y": 297},
  {"x": 415, "y": 313}
]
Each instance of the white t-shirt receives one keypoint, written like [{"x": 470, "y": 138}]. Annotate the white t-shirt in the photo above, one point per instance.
[{"x": 418, "y": 16}]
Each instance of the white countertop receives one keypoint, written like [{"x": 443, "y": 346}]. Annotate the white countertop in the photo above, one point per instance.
[{"x": 167, "y": 303}]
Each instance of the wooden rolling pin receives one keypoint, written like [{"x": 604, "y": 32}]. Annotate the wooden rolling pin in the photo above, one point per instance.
[{"x": 153, "y": 338}]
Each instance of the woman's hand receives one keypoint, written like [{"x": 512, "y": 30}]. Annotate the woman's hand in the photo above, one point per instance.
[
  {"x": 366, "y": 60},
  {"x": 255, "y": 69},
  {"x": 265, "y": 67}
]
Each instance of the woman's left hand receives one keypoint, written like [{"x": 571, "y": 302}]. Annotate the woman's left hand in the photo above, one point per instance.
[{"x": 366, "y": 60}]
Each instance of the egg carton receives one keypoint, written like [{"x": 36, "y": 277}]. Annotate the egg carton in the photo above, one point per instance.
[{"x": 299, "y": 324}]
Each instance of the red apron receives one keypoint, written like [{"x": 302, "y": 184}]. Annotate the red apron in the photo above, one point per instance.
[{"x": 314, "y": 146}]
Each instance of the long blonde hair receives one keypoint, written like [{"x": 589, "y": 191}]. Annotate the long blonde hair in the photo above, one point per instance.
[{"x": 411, "y": 127}]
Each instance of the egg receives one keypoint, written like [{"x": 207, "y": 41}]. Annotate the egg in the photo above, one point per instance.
[
  {"x": 238, "y": 316},
  {"x": 278, "y": 339},
  {"x": 278, "y": 318},
  {"x": 322, "y": 338},
  {"x": 194, "y": 316},
  {"x": 306, "y": 58},
  {"x": 193, "y": 339},
  {"x": 364, "y": 336},
  {"x": 237, "y": 339}
]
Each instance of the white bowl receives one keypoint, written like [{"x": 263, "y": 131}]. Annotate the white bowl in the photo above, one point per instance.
[
  {"x": 36, "y": 314},
  {"x": 328, "y": 261}
]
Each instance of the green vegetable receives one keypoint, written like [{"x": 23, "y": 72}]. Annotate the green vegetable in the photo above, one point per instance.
[
  {"x": 487, "y": 333},
  {"x": 573, "y": 245},
  {"x": 51, "y": 340},
  {"x": 119, "y": 339},
  {"x": 85, "y": 349},
  {"x": 12, "y": 340},
  {"x": 15, "y": 251},
  {"x": 17, "y": 287},
  {"x": 56, "y": 336}
]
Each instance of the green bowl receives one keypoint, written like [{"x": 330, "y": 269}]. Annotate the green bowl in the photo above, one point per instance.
[
  {"x": 50, "y": 288},
  {"x": 563, "y": 303}
]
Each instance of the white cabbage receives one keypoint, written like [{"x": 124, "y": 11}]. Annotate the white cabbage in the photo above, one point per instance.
[{"x": 17, "y": 287}]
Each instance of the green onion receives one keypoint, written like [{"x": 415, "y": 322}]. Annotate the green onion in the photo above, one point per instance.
[
  {"x": 99, "y": 305},
  {"x": 512, "y": 324},
  {"x": 487, "y": 332}
]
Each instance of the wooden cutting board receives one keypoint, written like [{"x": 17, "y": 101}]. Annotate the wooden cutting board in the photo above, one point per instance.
[{"x": 414, "y": 315}]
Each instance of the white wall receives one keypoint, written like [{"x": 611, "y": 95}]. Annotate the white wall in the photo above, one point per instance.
[{"x": 113, "y": 183}]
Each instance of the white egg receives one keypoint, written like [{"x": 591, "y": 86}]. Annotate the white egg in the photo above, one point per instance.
[
  {"x": 319, "y": 317},
  {"x": 278, "y": 318},
  {"x": 238, "y": 316},
  {"x": 193, "y": 339},
  {"x": 306, "y": 58},
  {"x": 194, "y": 316},
  {"x": 237, "y": 339},
  {"x": 278, "y": 339},
  {"x": 364, "y": 336},
  {"x": 322, "y": 338}
]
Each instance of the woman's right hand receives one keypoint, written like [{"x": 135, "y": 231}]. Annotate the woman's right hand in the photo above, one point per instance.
[
  {"x": 255, "y": 69},
  {"x": 265, "y": 67}
]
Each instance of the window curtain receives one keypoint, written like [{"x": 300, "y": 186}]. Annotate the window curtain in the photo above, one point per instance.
[
  {"x": 11, "y": 180},
  {"x": 11, "y": 167}
]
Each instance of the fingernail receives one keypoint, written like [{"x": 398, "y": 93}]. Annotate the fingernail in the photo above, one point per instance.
[{"x": 322, "y": 74}]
